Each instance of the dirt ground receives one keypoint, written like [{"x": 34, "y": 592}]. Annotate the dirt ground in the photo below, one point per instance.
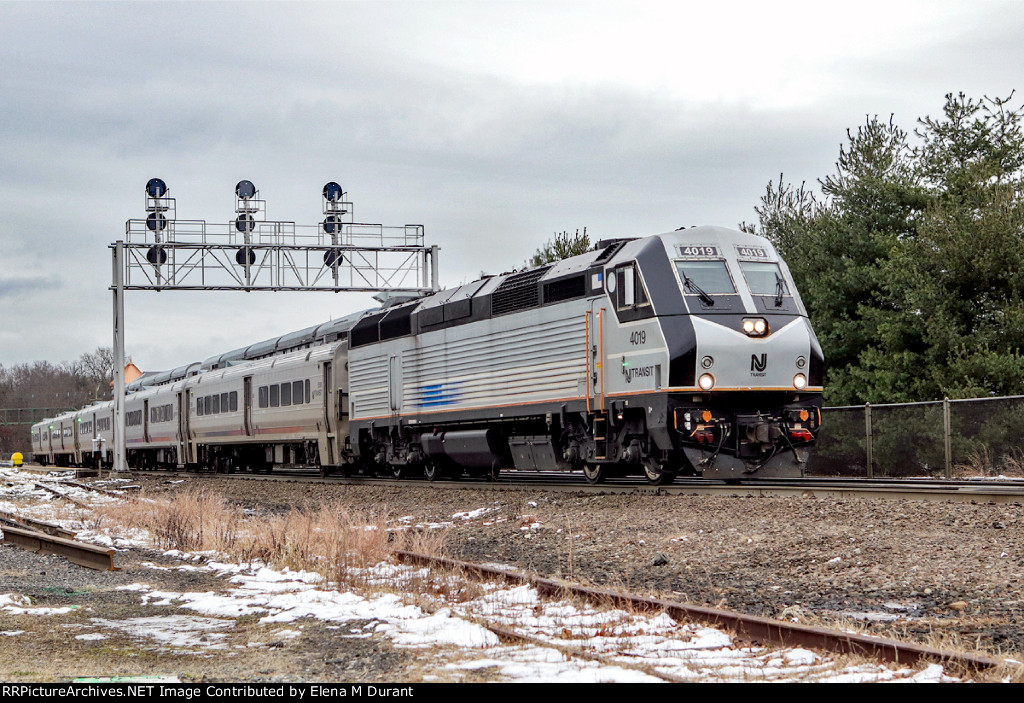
[{"x": 945, "y": 574}]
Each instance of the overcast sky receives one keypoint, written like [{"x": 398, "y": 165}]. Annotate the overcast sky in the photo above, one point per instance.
[{"x": 493, "y": 124}]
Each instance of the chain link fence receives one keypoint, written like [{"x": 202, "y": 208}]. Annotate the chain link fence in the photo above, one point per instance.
[{"x": 942, "y": 439}]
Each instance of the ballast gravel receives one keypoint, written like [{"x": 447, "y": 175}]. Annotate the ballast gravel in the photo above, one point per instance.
[
  {"x": 932, "y": 572},
  {"x": 945, "y": 574}
]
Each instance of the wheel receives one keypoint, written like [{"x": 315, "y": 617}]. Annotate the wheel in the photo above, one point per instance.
[
  {"x": 431, "y": 471},
  {"x": 655, "y": 476},
  {"x": 398, "y": 470},
  {"x": 594, "y": 473}
]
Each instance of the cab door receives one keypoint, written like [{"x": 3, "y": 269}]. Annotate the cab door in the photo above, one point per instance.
[
  {"x": 183, "y": 449},
  {"x": 595, "y": 354},
  {"x": 247, "y": 406},
  {"x": 597, "y": 318},
  {"x": 327, "y": 452}
]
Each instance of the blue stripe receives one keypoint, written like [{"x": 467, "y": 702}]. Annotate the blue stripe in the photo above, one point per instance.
[{"x": 437, "y": 395}]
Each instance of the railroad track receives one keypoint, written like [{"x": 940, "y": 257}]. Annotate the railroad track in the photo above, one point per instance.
[
  {"x": 88, "y": 555},
  {"x": 750, "y": 627},
  {"x": 754, "y": 628},
  {"x": 814, "y": 487}
]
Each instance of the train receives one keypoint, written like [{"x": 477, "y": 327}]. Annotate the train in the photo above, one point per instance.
[{"x": 687, "y": 353}]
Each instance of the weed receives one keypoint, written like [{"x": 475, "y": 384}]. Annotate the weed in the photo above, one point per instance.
[{"x": 334, "y": 540}]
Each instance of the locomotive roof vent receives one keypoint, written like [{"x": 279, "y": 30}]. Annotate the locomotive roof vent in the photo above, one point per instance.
[
  {"x": 614, "y": 240},
  {"x": 611, "y": 247},
  {"x": 517, "y": 292}
]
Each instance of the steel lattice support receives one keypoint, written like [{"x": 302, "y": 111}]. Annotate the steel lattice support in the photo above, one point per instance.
[{"x": 162, "y": 253}]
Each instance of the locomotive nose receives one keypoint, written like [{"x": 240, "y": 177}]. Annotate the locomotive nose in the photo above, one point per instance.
[{"x": 736, "y": 361}]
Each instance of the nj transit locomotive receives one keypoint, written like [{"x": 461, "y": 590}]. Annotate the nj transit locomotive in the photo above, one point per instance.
[{"x": 683, "y": 353}]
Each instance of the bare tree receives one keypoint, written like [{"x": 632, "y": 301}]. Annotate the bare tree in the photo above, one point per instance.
[{"x": 98, "y": 368}]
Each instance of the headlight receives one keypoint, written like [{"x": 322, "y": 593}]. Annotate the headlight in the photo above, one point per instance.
[
  {"x": 707, "y": 362},
  {"x": 799, "y": 382},
  {"x": 706, "y": 382},
  {"x": 755, "y": 326}
]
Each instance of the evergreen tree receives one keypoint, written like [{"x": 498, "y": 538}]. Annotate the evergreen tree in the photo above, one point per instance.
[
  {"x": 961, "y": 274},
  {"x": 908, "y": 261},
  {"x": 836, "y": 246}
]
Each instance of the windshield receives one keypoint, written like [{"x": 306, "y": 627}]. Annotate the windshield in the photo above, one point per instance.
[
  {"x": 709, "y": 276},
  {"x": 764, "y": 278}
]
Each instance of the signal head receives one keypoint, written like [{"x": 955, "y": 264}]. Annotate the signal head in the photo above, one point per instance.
[
  {"x": 156, "y": 188},
  {"x": 245, "y": 190},
  {"x": 332, "y": 192}
]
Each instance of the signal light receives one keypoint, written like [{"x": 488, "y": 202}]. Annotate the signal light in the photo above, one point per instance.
[
  {"x": 245, "y": 223},
  {"x": 156, "y": 188},
  {"x": 245, "y": 190},
  {"x": 332, "y": 224},
  {"x": 332, "y": 192},
  {"x": 156, "y": 222}
]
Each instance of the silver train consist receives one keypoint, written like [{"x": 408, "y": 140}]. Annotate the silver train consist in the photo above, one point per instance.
[{"x": 678, "y": 354}]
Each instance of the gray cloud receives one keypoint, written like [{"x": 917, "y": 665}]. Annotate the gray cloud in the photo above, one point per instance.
[{"x": 404, "y": 105}]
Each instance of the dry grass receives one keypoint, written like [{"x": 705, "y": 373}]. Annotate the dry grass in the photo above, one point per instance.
[
  {"x": 341, "y": 542},
  {"x": 980, "y": 462},
  {"x": 941, "y": 636},
  {"x": 333, "y": 540}
]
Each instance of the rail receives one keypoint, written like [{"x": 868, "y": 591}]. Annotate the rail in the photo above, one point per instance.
[
  {"x": 88, "y": 555},
  {"x": 37, "y": 525},
  {"x": 754, "y": 627}
]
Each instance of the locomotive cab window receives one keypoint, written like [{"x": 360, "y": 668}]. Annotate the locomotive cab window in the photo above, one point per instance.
[
  {"x": 764, "y": 278},
  {"x": 709, "y": 277},
  {"x": 626, "y": 288}
]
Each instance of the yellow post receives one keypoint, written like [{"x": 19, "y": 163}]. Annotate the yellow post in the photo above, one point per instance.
[{"x": 17, "y": 458}]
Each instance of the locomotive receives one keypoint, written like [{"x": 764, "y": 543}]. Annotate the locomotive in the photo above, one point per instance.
[{"x": 685, "y": 353}]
